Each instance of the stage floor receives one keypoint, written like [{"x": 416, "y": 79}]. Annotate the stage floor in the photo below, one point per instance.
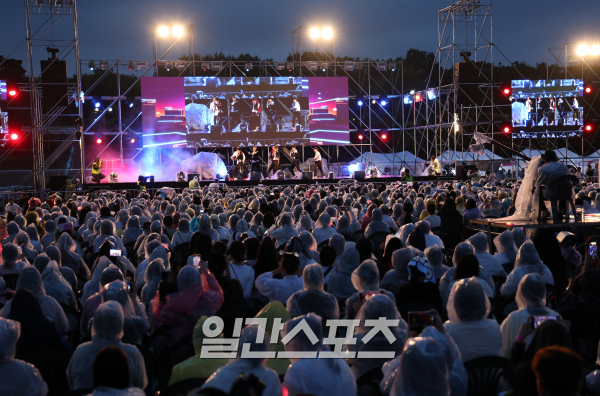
[{"x": 251, "y": 183}]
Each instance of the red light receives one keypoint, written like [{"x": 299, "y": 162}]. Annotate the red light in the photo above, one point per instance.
[
  {"x": 588, "y": 128},
  {"x": 506, "y": 129},
  {"x": 417, "y": 98},
  {"x": 14, "y": 136},
  {"x": 360, "y": 137},
  {"x": 506, "y": 91},
  {"x": 12, "y": 92},
  {"x": 384, "y": 136},
  {"x": 132, "y": 140},
  {"x": 588, "y": 89},
  {"x": 99, "y": 141}
]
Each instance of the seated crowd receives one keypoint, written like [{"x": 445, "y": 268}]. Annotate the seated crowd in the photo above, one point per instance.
[{"x": 121, "y": 287}]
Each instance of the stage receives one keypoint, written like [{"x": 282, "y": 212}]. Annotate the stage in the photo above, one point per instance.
[{"x": 266, "y": 182}]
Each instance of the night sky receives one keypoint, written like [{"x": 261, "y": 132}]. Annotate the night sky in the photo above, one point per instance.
[{"x": 111, "y": 29}]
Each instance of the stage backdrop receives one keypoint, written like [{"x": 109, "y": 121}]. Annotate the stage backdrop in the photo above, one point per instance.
[{"x": 266, "y": 111}]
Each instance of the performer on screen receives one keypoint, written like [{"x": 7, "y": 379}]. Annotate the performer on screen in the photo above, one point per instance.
[
  {"x": 274, "y": 157},
  {"x": 318, "y": 162},
  {"x": 240, "y": 158},
  {"x": 295, "y": 162},
  {"x": 560, "y": 111},
  {"x": 255, "y": 116},
  {"x": 576, "y": 113},
  {"x": 295, "y": 112},
  {"x": 271, "y": 111},
  {"x": 255, "y": 160},
  {"x": 539, "y": 110},
  {"x": 96, "y": 168},
  {"x": 234, "y": 113},
  {"x": 215, "y": 110},
  {"x": 530, "y": 108},
  {"x": 551, "y": 112}
]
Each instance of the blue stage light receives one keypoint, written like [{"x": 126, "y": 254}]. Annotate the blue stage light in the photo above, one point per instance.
[
  {"x": 97, "y": 104},
  {"x": 147, "y": 174},
  {"x": 360, "y": 103},
  {"x": 130, "y": 104},
  {"x": 383, "y": 102}
]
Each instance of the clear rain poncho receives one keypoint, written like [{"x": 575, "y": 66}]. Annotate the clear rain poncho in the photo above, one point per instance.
[
  {"x": 375, "y": 307},
  {"x": 436, "y": 257},
  {"x": 519, "y": 237},
  {"x": 527, "y": 262},
  {"x": 225, "y": 376},
  {"x": 506, "y": 249},
  {"x": 93, "y": 285},
  {"x": 16, "y": 377},
  {"x": 405, "y": 232},
  {"x": 152, "y": 278},
  {"x": 323, "y": 230},
  {"x": 366, "y": 280},
  {"x": 132, "y": 231},
  {"x": 486, "y": 260},
  {"x": 56, "y": 287},
  {"x": 340, "y": 281},
  {"x": 30, "y": 279},
  {"x": 135, "y": 325},
  {"x": 398, "y": 276},
  {"x": 422, "y": 370},
  {"x": 331, "y": 377},
  {"x": 531, "y": 300},
  {"x": 107, "y": 330},
  {"x": 313, "y": 298},
  {"x": 377, "y": 224},
  {"x": 468, "y": 308},
  {"x": 70, "y": 259},
  {"x": 107, "y": 229}
]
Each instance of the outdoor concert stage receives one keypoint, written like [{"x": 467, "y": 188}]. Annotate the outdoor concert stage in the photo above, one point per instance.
[{"x": 265, "y": 182}]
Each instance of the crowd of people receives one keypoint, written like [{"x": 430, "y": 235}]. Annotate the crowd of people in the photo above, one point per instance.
[{"x": 112, "y": 279}]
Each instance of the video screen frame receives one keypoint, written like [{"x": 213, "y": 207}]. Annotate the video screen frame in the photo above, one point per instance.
[
  {"x": 231, "y": 111},
  {"x": 547, "y": 105}
]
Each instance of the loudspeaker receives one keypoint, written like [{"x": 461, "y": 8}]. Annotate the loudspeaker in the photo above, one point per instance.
[
  {"x": 307, "y": 175},
  {"x": 191, "y": 176},
  {"x": 331, "y": 175},
  {"x": 255, "y": 176},
  {"x": 54, "y": 87},
  {"x": 57, "y": 182},
  {"x": 359, "y": 175}
]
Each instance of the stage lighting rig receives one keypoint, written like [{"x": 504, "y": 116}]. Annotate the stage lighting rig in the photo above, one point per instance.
[
  {"x": 392, "y": 66},
  {"x": 162, "y": 31},
  {"x": 177, "y": 31},
  {"x": 131, "y": 65},
  {"x": 92, "y": 65},
  {"x": 381, "y": 66}
]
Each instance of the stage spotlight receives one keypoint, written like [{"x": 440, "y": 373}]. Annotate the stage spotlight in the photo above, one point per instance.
[
  {"x": 383, "y": 102},
  {"x": 132, "y": 140},
  {"x": 582, "y": 49},
  {"x": 14, "y": 136},
  {"x": 110, "y": 109},
  {"x": 327, "y": 33},
  {"x": 162, "y": 31},
  {"x": 12, "y": 92},
  {"x": 588, "y": 128},
  {"x": 248, "y": 67},
  {"x": 384, "y": 137},
  {"x": 98, "y": 141},
  {"x": 588, "y": 90},
  {"x": 92, "y": 65},
  {"x": 131, "y": 65},
  {"x": 595, "y": 50},
  {"x": 97, "y": 104},
  {"x": 373, "y": 101},
  {"x": 360, "y": 102},
  {"x": 177, "y": 31},
  {"x": 168, "y": 66},
  {"x": 431, "y": 95},
  {"x": 360, "y": 137},
  {"x": 314, "y": 33},
  {"x": 418, "y": 97},
  {"x": 506, "y": 129},
  {"x": 130, "y": 105},
  {"x": 392, "y": 66},
  {"x": 147, "y": 174}
]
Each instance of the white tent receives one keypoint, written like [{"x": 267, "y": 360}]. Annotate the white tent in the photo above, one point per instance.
[{"x": 394, "y": 162}]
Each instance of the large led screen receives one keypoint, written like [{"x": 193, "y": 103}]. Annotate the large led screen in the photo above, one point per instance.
[
  {"x": 262, "y": 111},
  {"x": 547, "y": 105}
]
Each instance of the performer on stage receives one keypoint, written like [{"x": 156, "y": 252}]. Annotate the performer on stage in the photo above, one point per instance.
[
  {"x": 434, "y": 168},
  {"x": 295, "y": 112},
  {"x": 530, "y": 108},
  {"x": 318, "y": 162},
  {"x": 295, "y": 162},
  {"x": 240, "y": 158},
  {"x": 560, "y": 111},
  {"x": 216, "y": 111},
  {"x": 255, "y": 160},
  {"x": 96, "y": 168},
  {"x": 274, "y": 157},
  {"x": 271, "y": 111},
  {"x": 539, "y": 113},
  {"x": 255, "y": 116},
  {"x": 234, "y": 113}
]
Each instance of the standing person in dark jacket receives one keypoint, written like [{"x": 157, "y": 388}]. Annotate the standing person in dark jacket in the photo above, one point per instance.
[
  {"x": 295, "y": 162},
  {"x": 255, "y": 160},
  {"x": 451, "y": 221}
]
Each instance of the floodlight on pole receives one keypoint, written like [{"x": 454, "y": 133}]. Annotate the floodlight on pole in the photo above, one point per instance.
[
  {"x": 177, "y": 31},
  {"x": 582, "y": 49},
  {"x": 162, "y": 31},
  {"x": 327, "y": 33},
  {"x": 595, "y": 50},
  {"x": 315, "y": 33}
]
